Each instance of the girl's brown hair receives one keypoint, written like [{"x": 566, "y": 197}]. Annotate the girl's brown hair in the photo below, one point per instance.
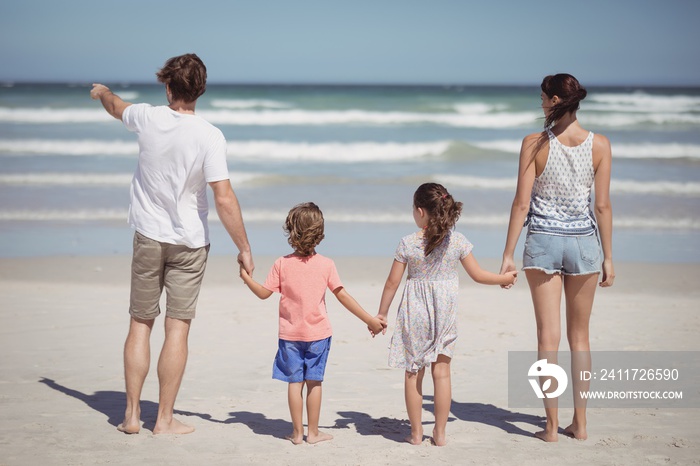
[
  {"x": 304, "y": 228},
  {"x": 186, "y": 77},
  {"x": 443, "y": 212}
]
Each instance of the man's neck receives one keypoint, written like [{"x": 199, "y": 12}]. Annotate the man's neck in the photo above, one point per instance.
[{"x": 183, "y": 107}]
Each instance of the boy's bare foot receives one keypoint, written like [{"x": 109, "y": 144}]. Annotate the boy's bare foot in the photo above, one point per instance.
[
  {"x": 579, "y": 433},
  {"x": 319, "y": 437},
  {"x": 129, "y": 427},
  {"x": 439, "y": 440},
  {"x": 296, "y": 439},
  {"x": 547, "y": 436},
  {"x": 173, "y": 427}
]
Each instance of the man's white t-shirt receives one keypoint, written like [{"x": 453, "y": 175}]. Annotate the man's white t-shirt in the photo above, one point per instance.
[{"x": 178, "y": 155}]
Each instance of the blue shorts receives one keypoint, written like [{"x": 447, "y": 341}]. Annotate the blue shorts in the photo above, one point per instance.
[
  {"x": 297, "y": 361},
  {"x": 567, "y": 255}
]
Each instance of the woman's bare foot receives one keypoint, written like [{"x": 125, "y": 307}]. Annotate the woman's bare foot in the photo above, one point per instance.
[
  {"x": 129, "y": 427},
  {"x": 547, "y": 436},
  {"x": 318, "y": 437},
  {"x": 173, "y": 427},
  {"x": 439, "y": 440},
  {"x": 577, "y": 432},
  {"x": 296, "y": 439},
  {"x": 415, "y": 439}
]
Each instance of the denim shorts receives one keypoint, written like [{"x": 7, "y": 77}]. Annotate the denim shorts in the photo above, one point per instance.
[
  {"x": 297, "y": 361},
  {"x": 567, "y": 255}
]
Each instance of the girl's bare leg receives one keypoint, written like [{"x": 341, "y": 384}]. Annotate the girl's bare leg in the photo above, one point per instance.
[
  {"x": 443, "y": 397},
  {"x": 413, "y": 392}
]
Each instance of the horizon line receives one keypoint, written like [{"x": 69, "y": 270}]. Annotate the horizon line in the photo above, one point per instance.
[{"x": 123, "y": 83}]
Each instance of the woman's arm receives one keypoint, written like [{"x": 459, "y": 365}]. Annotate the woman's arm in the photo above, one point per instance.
[
  {"x": 602, "y": 160},
  {"x": 521, "y": 201}
]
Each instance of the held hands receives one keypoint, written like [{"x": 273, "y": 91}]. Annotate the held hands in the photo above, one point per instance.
[
  {"x": 377, "y": 325},
  {"x": 508, "y": 268},
  {"x": 511, "y": 277}
]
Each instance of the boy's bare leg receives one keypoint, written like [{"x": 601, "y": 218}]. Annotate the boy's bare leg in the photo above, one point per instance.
[
  {"x": 442, "y": 382},
  {"x": 137, "y": 360},
  {"x": 313, "y": 411},
  {"x": 171, "y": 368},
  {"x": 295, "y": 398},
  {"x": 413, "y": 392}
]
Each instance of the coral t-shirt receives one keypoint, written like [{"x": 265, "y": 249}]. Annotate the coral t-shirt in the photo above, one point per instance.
[{"x": 302, "y": 283}]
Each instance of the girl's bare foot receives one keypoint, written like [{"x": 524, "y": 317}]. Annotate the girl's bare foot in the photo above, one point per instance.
[
  {"x": 547, "y": 436},
  {"x": 318, "y": 437},
  {"x": 173, "y": 427},
  {"x": 579, "y": 433},
  {"x": 439, "y": 440},
  {"x": 296, "y": 439}
]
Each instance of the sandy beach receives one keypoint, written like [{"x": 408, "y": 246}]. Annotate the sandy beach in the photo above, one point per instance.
[{"x": 62, "y": 387}]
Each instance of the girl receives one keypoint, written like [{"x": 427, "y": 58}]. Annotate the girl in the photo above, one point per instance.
[
  {"x": 304, "y": 329},
  {"x": 426, "y": 327},
  {"x": 557, "y": 169}
]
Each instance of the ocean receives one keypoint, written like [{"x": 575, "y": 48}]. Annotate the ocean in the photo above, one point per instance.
[{"x": 359, "y": 152}]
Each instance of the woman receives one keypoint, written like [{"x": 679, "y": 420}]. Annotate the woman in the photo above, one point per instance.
[{"x": 562, "y": 249}]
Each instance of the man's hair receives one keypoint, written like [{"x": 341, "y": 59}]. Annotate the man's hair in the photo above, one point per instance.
[
  {"x": 185, "y": 75},
  {"x": 304, "y": 228}
]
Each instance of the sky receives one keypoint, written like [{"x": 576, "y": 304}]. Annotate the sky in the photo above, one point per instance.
[{"x": 601, "y": 42}]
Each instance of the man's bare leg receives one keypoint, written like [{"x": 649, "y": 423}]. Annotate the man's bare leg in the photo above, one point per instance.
[
  {"x": 137, "y": 360},
  {"x": 171, "y": 367}
]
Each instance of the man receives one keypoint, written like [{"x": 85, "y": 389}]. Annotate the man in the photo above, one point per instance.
[{"x": 179, "y": 154}]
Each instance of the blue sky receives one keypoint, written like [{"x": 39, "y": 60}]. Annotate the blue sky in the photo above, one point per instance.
[{"x": 653, "y": 42}]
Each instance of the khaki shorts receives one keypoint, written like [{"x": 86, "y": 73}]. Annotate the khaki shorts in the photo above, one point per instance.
[{"x": 177, "y": 268}]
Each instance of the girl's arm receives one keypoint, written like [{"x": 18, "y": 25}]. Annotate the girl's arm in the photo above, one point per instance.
[
  {"x": 521, "y": 202},
  {"x": 259, "y": 290},
  {"x": 485, "y": 277},
  {"x": 603, "y": 207},
  {"x": 392, "y": 284},
  {"x": 375, "y": 324}
]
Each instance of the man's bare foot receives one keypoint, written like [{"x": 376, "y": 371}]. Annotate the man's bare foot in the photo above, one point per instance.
[
  {"x": 439, "y": 440},
  {"x": 129, "y": 427},
  {"x": 296, "y": 439},
  {"x": 319, "y": 437},
  {"x": 579, "y": 433},
  {"x": 547, "y": 436},
  {"x": 173, "y": 427}
]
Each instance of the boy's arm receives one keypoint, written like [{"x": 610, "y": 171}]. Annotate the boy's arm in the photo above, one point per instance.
[
  {"x": 375, "y": 324},
  {"x": 259, "y": 290},
  {"x": 110, "y": 101},
  {"x": 485, "y": 277}
]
